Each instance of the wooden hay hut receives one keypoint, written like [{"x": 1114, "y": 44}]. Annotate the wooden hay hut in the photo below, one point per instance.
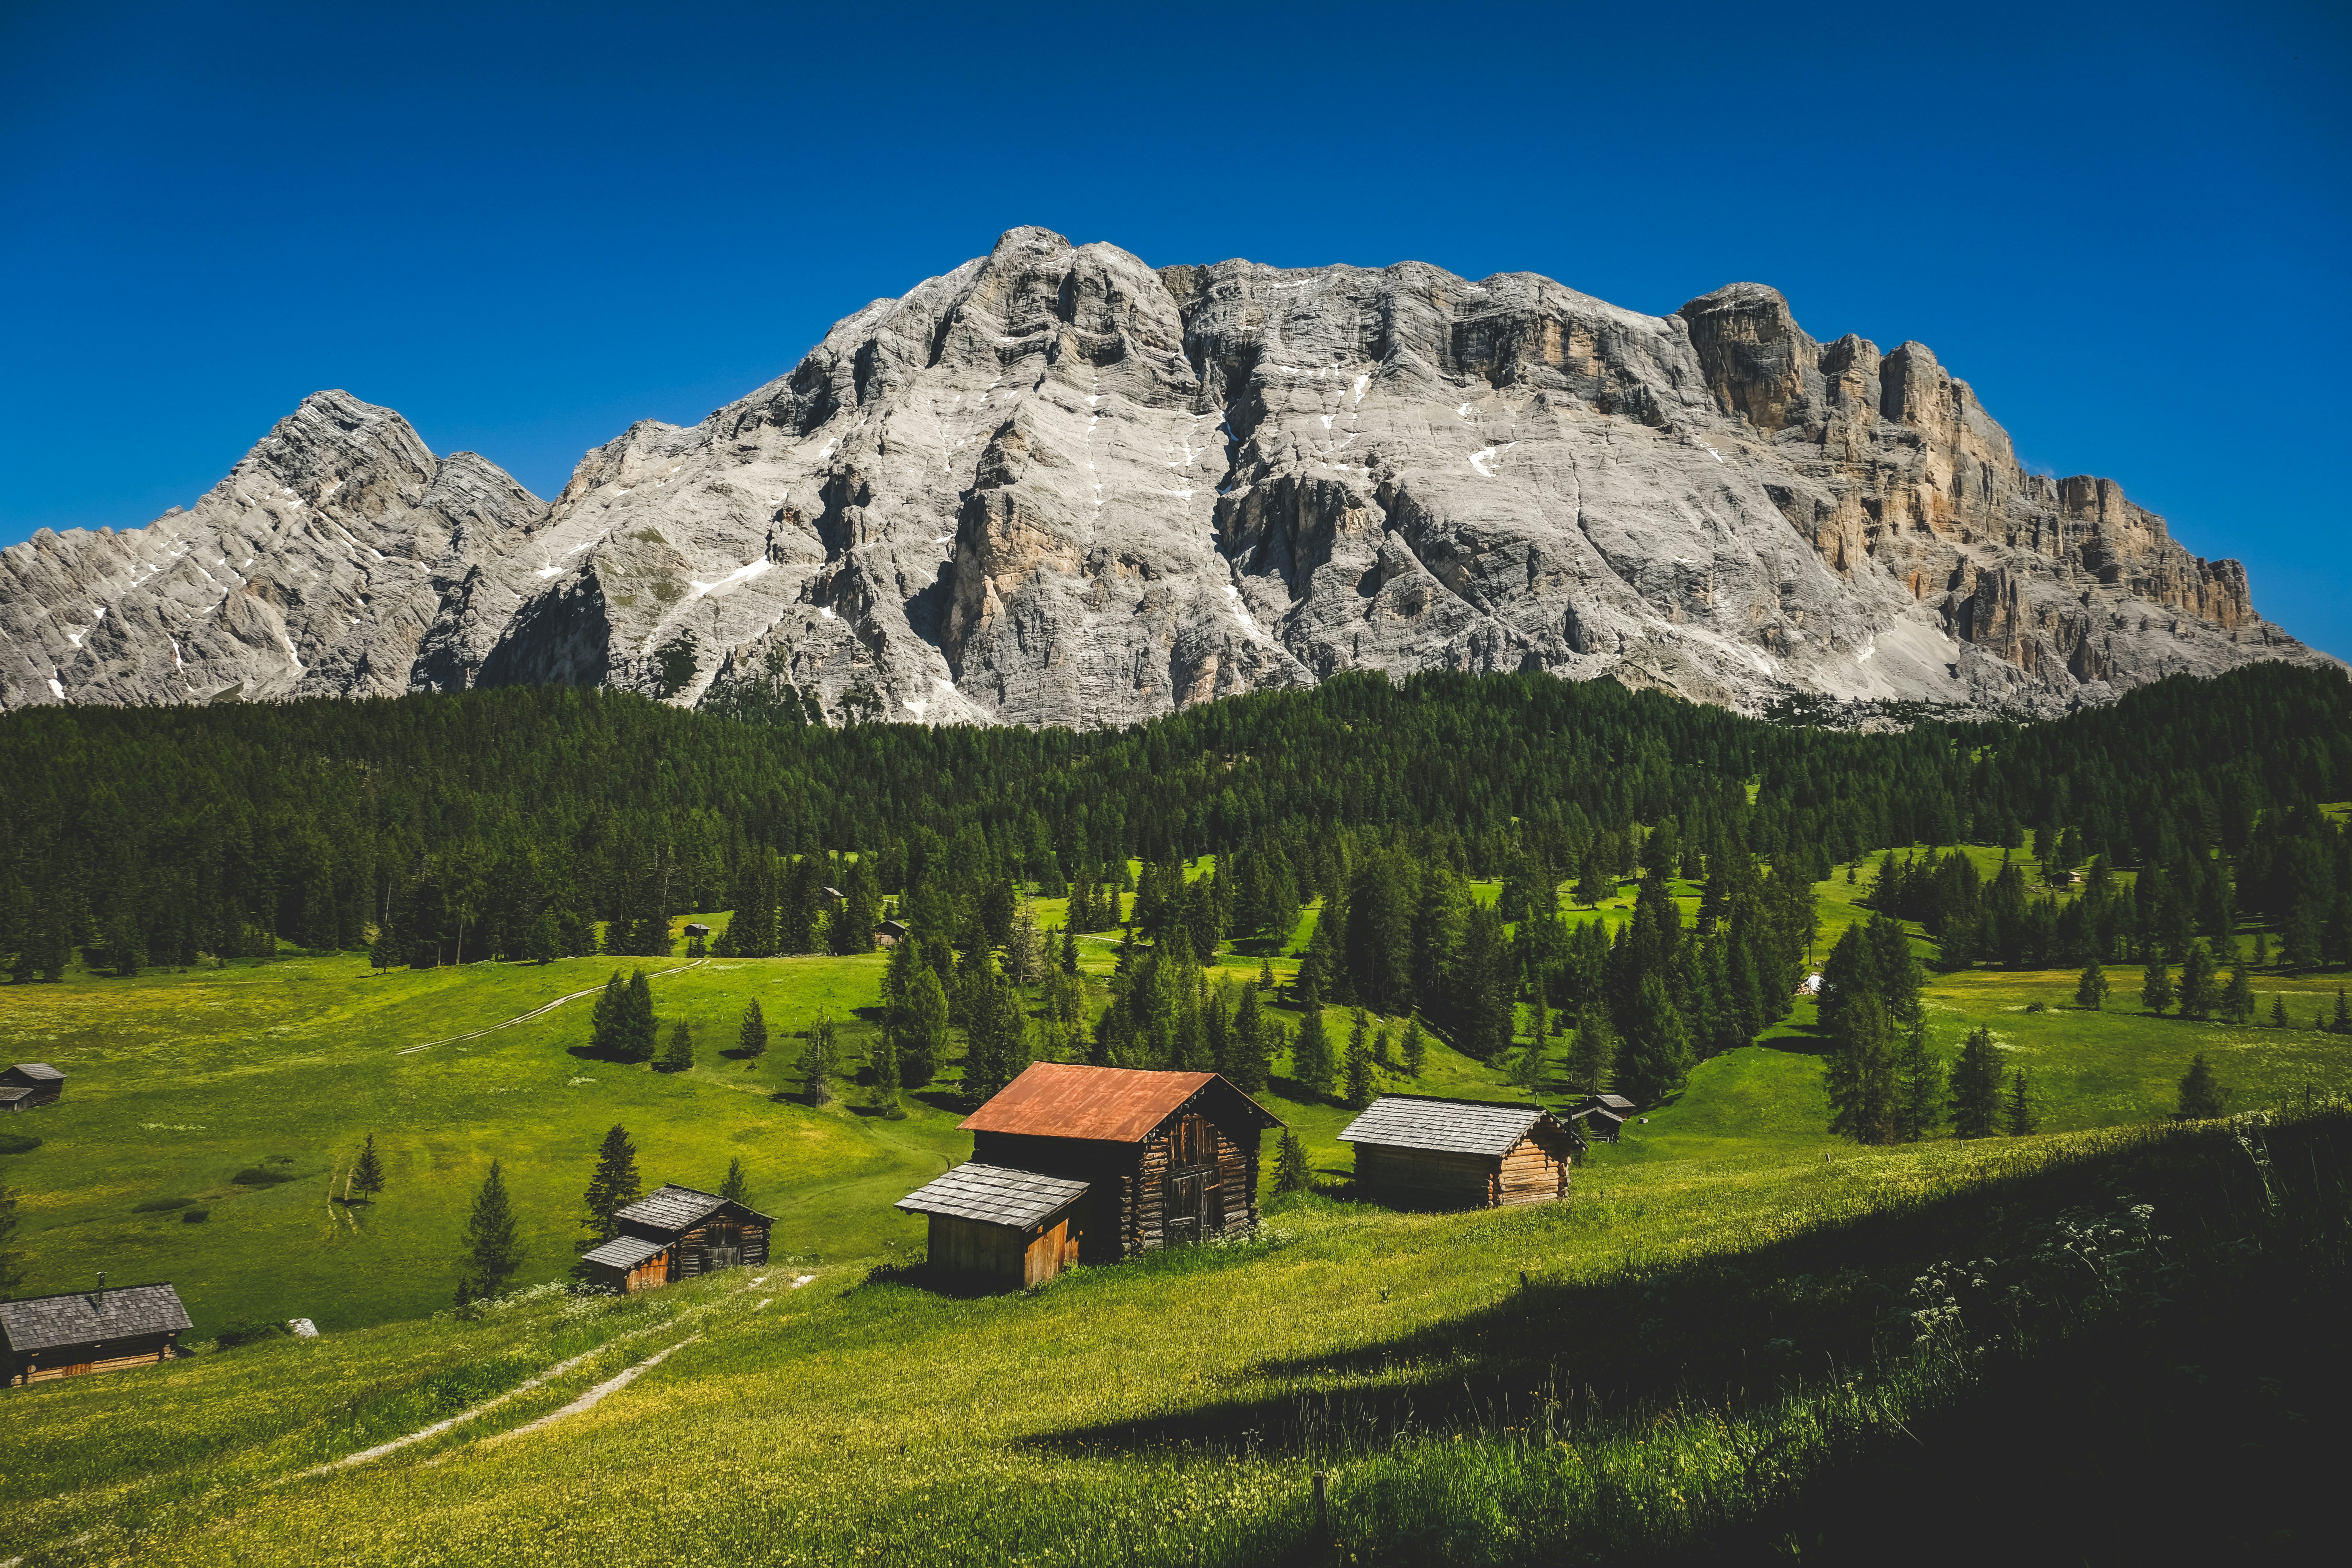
[
  {"x": 84, "y": 1332},
  {"x": 28, "y": 1084},
  {"x": 678, "y": 1233},
  {"x": 1007, "y": 1228},
  {"x": 1162, "y": 1157},
  {"x": 1422, "y": 1152}
]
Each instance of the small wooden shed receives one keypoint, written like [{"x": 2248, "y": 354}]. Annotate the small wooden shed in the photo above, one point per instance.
[
  {"x": 28, "y": 1084},
  {"x": 1601, "y": 1117},
  {"x": 1010, "y": 1229},
  {"x": 1422, "y": 1152},
  {"x": 678, "y": 1233},
  {"x": 83, "y": 1332}
]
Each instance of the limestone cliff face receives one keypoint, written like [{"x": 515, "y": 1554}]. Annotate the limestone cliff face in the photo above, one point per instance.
[{"x": 1057, "y": 486}]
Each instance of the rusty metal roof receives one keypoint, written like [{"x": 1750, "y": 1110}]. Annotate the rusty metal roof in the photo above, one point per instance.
[{"x": 1111, "y": 1105}]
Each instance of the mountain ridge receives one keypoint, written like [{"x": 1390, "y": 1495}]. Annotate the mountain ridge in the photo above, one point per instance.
[{"x": 1057, "y": 486}]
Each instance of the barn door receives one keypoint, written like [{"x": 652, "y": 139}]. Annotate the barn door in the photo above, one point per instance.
[{"x": 1192, "y": 1212}]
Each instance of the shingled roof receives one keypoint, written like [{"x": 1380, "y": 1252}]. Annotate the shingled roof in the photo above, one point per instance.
[
  {"x": 1451, "y": 1126},
  {"x": 40, "y": 1072},
  {"x": 85, "y": 1317},
  {"x": 995, "y": 1194},
  {"x": 625, "y": 1252},
  {"x": 1112, "y": 1105},
  {"x": 669, "y": 1208}
]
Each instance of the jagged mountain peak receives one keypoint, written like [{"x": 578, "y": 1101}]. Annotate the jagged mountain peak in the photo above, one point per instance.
[{"x": 1057, "y": 485}]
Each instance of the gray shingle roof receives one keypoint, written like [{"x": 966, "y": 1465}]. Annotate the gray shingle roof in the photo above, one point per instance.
[
  {"x": 40, "y": 1071},
  {"x": 1453, "y": 1126},
  {"x": 10, "y": 1091},
  {"x": 81, "y": 1317},
  {"x": 672, "y": 1208},
  {"x": 995, "y": 1194},
  {"x": 1616, "y": 1102},
  {"x": 623, "y": 1252}
]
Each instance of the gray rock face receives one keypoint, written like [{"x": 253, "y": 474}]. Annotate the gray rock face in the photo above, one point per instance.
[{"x": 1057, "y": 486}]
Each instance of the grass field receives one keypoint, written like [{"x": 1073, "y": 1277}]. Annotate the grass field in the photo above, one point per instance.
[{"x": 803, "y": 1422}]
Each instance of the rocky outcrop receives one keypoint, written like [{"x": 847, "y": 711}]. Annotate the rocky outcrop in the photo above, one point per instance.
[{"x": 1057, "y": 486}]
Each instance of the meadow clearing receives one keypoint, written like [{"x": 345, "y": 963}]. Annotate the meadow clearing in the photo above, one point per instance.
[{"x": 833, "y": 1409}]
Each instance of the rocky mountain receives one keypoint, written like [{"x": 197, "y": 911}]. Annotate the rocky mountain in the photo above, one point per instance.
[{"x": 1055, "y": 486}]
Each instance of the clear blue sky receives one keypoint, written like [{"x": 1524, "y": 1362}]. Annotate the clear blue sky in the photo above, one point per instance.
[{"x": 526, "y": 227}]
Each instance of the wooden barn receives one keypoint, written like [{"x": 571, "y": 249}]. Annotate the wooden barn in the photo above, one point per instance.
[
  {"x": 43, "y": 1337},
  {"x": 678, "y": 1233},
  {"x": 1421, "y": 1152},
  {"x": 28, "y": 1084},
  {"x": 1601, "y": 1117},
  {"x": 1139, "y": 1159}
]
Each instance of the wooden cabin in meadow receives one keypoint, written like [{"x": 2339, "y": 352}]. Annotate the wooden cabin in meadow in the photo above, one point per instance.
[
  {"x": 1601, "y": 1117},
  {"x": 1087, "y": 1165},
  {"x": 83, "y": 1332},
  {"x": 1421, "y": 1152},
  {"x": 28, "y": 1084},
  {"x": 677, "y": 1233}
]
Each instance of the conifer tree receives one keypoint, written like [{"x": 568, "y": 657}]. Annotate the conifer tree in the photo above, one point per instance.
[
  {"x": 1976, "y": 1087},
  {"x": 884, "y": 1059},
  {"x": 2197, "y": 983},
  {"x": 1290, "y": 1163},
  {"x": 737, "y": 1187},
  {"x": 1266, "y": 973},
  {"x": 543, "y": 944},
  {"x": 2278, "y": 1012},
  {"x": 2091, "y": 990},
  {"x": 680, "y": 1054},
  {"x": 367, "y": 1173},
  {"x": 1360, "y": 1086},
  {"x": 1592, "y": 1060},
  {"x": 12, "y": 1262},
  {"x": 1253, "y": 1038},
  {"x": 2019, "y": 1111},
  {"x": 2341, "y": 1023},
  {"x": 606, "y": 1028},
  {"x": 1310, "y": 1050},
  {"x": 613, "y": 1184},
  {"x": 493, "y": 1246},
  {"x": 923, "y": 1037},
  {"x": 821, "y": 1059},
  {"x": 1919, "y": 1106},
  {"x": 751, "y": 1034},
  {"x": 1528, "y": 1067},
  {"x": 2201, "y": 1097},
  {"x": 637, "y": 1026},
  {"x": 1656, "y": 1052},
  {"x": 1864, "y": 1087},
  {"x": 2155, "y": 985},
  {"x": 2238, "y": 998},
  {"x": 1069, "y": 950},
  {"x": 1416, "y": 1047}
]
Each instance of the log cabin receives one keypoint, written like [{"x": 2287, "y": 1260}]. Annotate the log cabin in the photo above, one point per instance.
[
  {"x": 677, "y": 1233},
  {"x": 84, "y": 1332},
  {"x": 28, "y": 1084},
  {"x": 1420, "y": 1152},
  {"x": 1137, "y": 1160}
]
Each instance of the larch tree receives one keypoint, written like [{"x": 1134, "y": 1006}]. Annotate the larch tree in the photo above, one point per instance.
[
  {"x": 1864, "y": 1086},
  {"x": 493, "y": 1246},
  {"x": 367, "y": 1171},
  {"x": 1919, "y": 1103},
  {"x": 1976, "y": 1087},
  {"x": 2018, "y": 1111},
  {"x": 923, "y": 1032},
  {"x": 737, "y": 1187},
  {"x": 820, "y": 1059},
  {"x": 1416, "y": 1047},
  {"x": 1360, "y": 1086},
  {"x": 613, "y": 1185},
  {"x": 1310, "y": 1050}
]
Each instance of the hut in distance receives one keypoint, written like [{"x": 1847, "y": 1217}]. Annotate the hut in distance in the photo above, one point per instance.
[{"x": 1421, "y": 1152}]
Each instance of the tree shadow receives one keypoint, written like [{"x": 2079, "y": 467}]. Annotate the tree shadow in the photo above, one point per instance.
[{"x": 603, "y": 1053}]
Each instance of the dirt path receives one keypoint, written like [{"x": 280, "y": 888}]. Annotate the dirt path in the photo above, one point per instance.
[{"x": 536, "y": 1011}]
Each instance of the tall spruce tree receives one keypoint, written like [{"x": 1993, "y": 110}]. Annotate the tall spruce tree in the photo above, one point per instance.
[
  {"x": 2197, "y": 983},
  {"x": 737, "y": 1187},
  {"x": 923, "y": 1034},
  {"x": 1592, "y": 1060},
  {"x": 2201, "y": 1097},
  {"x": 367, "y": 1171},
  {"x": 1416, "y": 1047},
  {"x": 1656, "y": 1052},
  {"x": 493, "y": 1246},
  {"x": 1310, "y": 1050},
  {"x": 1289, "y": 1163},
  {"x": 607, "y": 1026},
  {"x": 2238, "y": 998},
  {"x": 1863, "y": 1081},
  {"x": 2091, "y": 990},
  {"x": 637, "y": 1025},
  {"x": 678, "y": 1055},
  {"x": 751, "y": 1034},
  {"x": 1920, "y": 1105},
  {"x": 1247, "y": 1051},
  {"x": 1976, "y": 1087},
  {"x": 2155, "y": 985},
  {"x": 1362, "y": 1089},
  {"x": 613, "y": 1184},
  {"x": 820, "y": 1059},
  {"x": 2018, "y": 1111}
]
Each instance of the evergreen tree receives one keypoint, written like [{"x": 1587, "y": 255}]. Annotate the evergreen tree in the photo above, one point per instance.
[
  {"x": 1656, "y": 1052},
  {"x": 2091, "y": 990},
  {"x": 736, "y": 1186},
  {"x": 1416, "y": 1047},
  {"x": 544, "y": 946},
  {"x": 1310, "y": 1050},
  {"x": 367, "y": 1173},
  {"x": 923, "y": 1037},
  {"x": 1919, "y": 1106},
  {"x": 751, "y": 1034},
  {"x": 820, "y": 1059},
  {"x": 2278, "y": 1012},
  {"x": 2197, "y": 983},
  {"x": 1069, "y": 950},
  {"x": 679, "y": 1055},
  {"x": 1361, "y": 1087},
  {"x": 1252, "y": 1042},
  {"x": 2238, "y": 998},
  {"x": 12, "y": 1262},
  {"x": 1481, "y": 996},
  {"x": 884, "y": 1059},
  {"x": 493, "y": 1246},
  {"x": 2020, "y": 1110},
  {"x": 1976, "y": 1087},
  {"x": 1266, "y": 973},
  {"x": 2341, "y": 1023},
  {"x": 1592, "y": 1060},
  {"x": 613, "y": 1184},
  {"x": 637, "y": 1026},
  {"x": 2155, "y": 985},
  {"x": 1290, "y": 1163},
  {"x": 606, "y": 1026},
  {"x": 2201, "y": 1097},
  {"x": 1864, "y": 1086},
  {"x": 1528, "y": 1067}
]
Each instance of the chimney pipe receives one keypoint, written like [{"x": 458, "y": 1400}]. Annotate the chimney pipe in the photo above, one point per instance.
[{"x": 101, "y": 1289}]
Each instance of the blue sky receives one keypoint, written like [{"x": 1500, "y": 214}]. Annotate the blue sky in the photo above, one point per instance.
[{"x": 525, "y": 227}]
